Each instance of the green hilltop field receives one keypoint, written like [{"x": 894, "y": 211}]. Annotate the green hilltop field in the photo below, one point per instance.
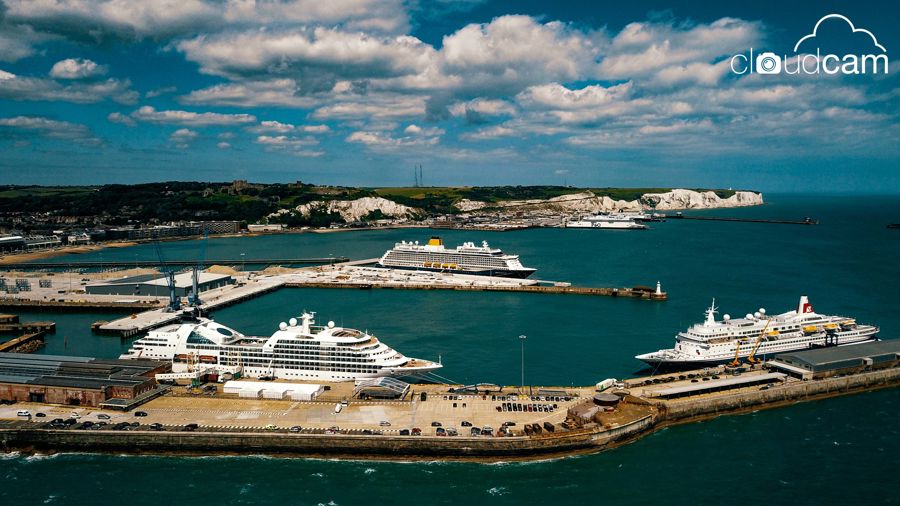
[{"x": 250, "y": 202}]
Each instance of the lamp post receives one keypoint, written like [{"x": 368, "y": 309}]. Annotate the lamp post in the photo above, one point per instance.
[
  {"x": 522, "y": 340},
  {"x": 243, "y": 265}
]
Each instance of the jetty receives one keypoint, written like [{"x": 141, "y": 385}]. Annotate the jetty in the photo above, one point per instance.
[{"x": 804, "y": 221}]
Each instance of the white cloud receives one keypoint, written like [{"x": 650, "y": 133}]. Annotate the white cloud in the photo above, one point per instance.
[
  {"x": 14, "y": 87},
  {"x": 296, "y": 146},
  {"x": 182, "y": 137},
  {"x": 373, "y": 106},
  {"x": 195, "y": 119},
  {"x": 77, "y": 68},
  {"x": 53, "y": 129},
  {"x": 117, "y": 117},
  {"x": 254, "y": 93},
  {"x": 223, "y": 145}
]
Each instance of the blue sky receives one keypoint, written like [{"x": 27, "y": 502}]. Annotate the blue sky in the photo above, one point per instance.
[{"x": 357, "y": 92}]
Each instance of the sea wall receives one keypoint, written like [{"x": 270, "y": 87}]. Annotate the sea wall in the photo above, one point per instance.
[
  {"x": 777, "y": 396},
  {"x": 311, "y": 444}
]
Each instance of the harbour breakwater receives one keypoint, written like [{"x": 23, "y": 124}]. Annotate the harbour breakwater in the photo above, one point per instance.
[{"x": 16, "y": 436}]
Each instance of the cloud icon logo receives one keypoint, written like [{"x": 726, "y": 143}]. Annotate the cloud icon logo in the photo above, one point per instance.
[{"x": 846, "y": 20}]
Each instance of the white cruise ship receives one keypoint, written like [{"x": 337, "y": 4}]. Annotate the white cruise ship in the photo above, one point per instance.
[
  {"x": 465, "y": 259},
  {"x": 297, "y": 350},
  {"x": 757, "y": 336},
  {"x": 614, "y": 221}
]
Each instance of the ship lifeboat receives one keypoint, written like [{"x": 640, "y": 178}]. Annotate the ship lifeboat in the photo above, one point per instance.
[
  {"x": 208, "y": 359},
  {"x": 831, "y": 326},
  {"x": 181, "y": 358},
  {"x": 810, "y": 329}
]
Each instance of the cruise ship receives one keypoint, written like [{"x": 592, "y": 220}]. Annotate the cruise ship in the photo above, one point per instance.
[
  {"x": 756, "y": 336},
  {"x": 468, "y": 258},
  {"x": 297, "y": 350},
  {"x": 614, "y": 221}
]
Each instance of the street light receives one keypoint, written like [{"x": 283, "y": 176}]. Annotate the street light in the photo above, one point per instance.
[
  {"x": 243, "y": 266},
  {"x": 522, "y": 340}
]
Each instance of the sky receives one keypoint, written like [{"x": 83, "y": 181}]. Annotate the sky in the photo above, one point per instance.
[{"x": 358, "y": 92}]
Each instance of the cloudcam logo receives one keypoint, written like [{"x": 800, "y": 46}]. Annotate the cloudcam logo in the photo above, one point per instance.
[{"x": 806, "y": 61}]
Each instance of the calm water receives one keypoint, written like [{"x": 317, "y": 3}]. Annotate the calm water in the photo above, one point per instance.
[{"x": 829, "y": 452}]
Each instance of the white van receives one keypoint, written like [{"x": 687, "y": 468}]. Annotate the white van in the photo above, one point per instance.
[
  {"x": 23, "y": 412},
  {"x": 338, "y": 408}
]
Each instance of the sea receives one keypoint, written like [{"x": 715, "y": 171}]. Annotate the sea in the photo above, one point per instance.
[{"x": 838, "y": 451}]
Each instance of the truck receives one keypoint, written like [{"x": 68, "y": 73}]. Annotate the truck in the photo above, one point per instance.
[{"x": 606, "y": 384}]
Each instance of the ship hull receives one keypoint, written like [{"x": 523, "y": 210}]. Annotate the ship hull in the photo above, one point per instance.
[
  {"x": 497, "y": 273},
  {"x": 666, "y": 364}
]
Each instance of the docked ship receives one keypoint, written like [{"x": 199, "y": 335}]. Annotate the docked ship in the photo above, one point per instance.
[
  {"x": 756, "y": 336},
  {"x": 297, "y": 350},
  {"x": 467, "y": 258},
  {"x": 614, "y": 221}
]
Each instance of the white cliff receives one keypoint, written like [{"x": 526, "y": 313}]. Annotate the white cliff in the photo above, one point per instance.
[
  {"x": 354, "y": 210},
  {"x": 690, "y": 199},
  {"x": 588, "y": 202}
]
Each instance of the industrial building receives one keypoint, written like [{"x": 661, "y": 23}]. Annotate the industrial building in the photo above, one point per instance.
[
  {"x": 78, "y": 381},
  {"x": 825, "y": 362},
  {"x": 273, "y": 390},
  {"x": 156, "y": 285}
]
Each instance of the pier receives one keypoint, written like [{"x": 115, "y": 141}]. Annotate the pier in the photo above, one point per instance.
[
  {"x": 152, "y": 263},
  {"x": 78, "y": 304},
  {"x": 636, "y": 292},
  {"x": 24, "y": 344},
  {"x": 212, "y": 299},
  {"x": 564, "y": 421},
  {"x": 804, "y": 221}
]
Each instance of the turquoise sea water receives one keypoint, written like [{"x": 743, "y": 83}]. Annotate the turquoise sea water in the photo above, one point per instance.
[{"x": 837, "y": 451}]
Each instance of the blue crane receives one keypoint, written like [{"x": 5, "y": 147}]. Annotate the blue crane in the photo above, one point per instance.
[{"x": 169, "y": 273}]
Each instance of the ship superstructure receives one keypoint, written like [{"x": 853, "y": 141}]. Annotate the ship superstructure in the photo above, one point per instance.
[
  {"x": 615, "y": 221},
  {"x": 758, "y": 335},
  {"x": 467, "y": 258},
  {"x": 297, "y": 350}
]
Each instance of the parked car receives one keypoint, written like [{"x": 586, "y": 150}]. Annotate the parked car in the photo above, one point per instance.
[
  {"x": 435, "y": 424},
  {"x": 103, "y": 416},
  {"x": 156, "y": 426},
  {"x": 296, "y": 428},
  {"x": 191, "y": 427},
  {"x": 140, "y": 413},
  {"x": 40, "y": 415},
  {"x": 404, "y": 432},
  {"x": 384, "y": 423},
  {"x": 465, "y": 423},
  {"x": 23, "y": 412}
]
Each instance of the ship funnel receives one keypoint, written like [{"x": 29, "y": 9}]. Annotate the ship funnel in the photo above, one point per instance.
[{"x": 804, "y": 306}]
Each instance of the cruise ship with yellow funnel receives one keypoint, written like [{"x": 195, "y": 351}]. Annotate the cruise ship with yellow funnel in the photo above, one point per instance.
[
  {"x": 467, "y": 258},
  {"x": 756, "y": 336}
]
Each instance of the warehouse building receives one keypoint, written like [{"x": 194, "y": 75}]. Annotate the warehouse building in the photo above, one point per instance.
[
  {"x": 77, "y": 381},
  {"x": 156, "y": 285},
  {"x": 825, "y": 362},
  {"x": 273, "y": 390}
]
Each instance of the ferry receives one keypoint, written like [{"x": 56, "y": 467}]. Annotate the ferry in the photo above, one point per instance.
[
  {"x": 297, "y": 350},
  {"x": 729, "y": 340},
  {"x": 467, "y": 258},
  {"x": 613, "y": 221}
]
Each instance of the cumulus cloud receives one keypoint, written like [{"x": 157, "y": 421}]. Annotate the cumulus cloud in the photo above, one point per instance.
[
  {"x": 15, "y": 87},
  {"x": 77, "y": 68},
  {"x": 279, "y": 127},
  {"x": 20, "y": 126},
  {"x": 182, "y": 137},
  {"x": 296, "y": 146},
  {"x": 196, "y": 119},
  {"x": 414, "y": 136},
  {"x": 223, "y": 145},
  {"x": 117, "y": 117}
]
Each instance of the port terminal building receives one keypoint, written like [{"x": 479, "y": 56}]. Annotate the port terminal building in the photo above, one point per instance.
[
  {"x": 78, "y": 381},
  {"x": 156, "y": 285},
  {"x": 836, "y": 360}
]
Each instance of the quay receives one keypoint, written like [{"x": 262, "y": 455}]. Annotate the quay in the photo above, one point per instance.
[
  {"x": 635, "y": 292},
  {"x": 546, "y": 421},
  {"x": 106, "y": 264},
  {"x": 24, "y": 344},
  {"x": 9, "y": 327},
  {"x": 804, "y": 221},
  {"x": 212, "y": 299},
  {"x": 78, "y": 304}
]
